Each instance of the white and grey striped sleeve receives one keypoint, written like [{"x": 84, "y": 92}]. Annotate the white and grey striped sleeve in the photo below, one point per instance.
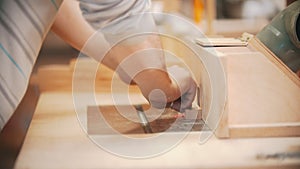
[
  {"x": 117, "y": 19},
  {"x": 24, "y": 24}
]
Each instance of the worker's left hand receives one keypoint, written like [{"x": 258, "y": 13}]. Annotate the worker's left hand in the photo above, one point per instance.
[{"x": 187, "y": 87}]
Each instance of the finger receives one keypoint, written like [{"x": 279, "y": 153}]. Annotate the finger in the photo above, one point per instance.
[
  {"x": 188, "y": 98},
  {"x": 176, "y": 105}
]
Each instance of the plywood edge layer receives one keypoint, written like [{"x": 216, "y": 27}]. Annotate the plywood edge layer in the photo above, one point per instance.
[
  {"x": 265, "y": 130},
  {"x": 222, "y": 130}
]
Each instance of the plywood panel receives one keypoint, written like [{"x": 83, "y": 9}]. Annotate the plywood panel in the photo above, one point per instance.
[
  {"x": 263, "y": 100},
  {"x": 259, "y": 92}
]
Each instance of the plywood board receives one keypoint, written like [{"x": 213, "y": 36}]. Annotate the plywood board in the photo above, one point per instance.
[
  {"x": 220, "y": 42},
  {"x": 262, "y": 99}
]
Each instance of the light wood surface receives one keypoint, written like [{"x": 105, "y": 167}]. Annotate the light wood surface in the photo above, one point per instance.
[
  {"x": 56, "y": 140},
  {"x": 90, "y": 76},
  {"x": 263, "y": 94}
]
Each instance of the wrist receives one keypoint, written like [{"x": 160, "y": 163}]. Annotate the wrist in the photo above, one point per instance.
[{"x": 156, "y": 79}]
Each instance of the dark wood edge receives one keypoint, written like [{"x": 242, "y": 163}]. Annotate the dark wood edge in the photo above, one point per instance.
[{"x": 14, "y": 132}]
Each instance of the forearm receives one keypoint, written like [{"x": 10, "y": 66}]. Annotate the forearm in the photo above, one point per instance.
[
  {"x": 71, "y": 26},
  {"x": 151, "y": 79},
  {"x": 144, "y": 63},
  {"x": 73, "y": 29},
  {"x": 84, "y": 38}
]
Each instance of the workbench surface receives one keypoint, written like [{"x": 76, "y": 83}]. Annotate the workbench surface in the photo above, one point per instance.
[{"x": 55, "y": 139}]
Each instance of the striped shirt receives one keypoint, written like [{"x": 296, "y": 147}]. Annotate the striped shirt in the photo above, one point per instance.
[
  {"x": 24, "y": 25},
  {"x": 117, "y": 19}
]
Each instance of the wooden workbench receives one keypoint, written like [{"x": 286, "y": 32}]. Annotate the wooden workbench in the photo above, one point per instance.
[{"x": 55, "y": 139}]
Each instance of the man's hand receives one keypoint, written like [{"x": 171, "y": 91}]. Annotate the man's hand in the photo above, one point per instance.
[
  {"x": 187, "y": 88},
  {"x": 161, "y": 86},
  {"x": 174, "y": 87}
]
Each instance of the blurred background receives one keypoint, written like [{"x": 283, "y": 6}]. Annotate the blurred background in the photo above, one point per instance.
[{"x": 221, "y": 18}]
